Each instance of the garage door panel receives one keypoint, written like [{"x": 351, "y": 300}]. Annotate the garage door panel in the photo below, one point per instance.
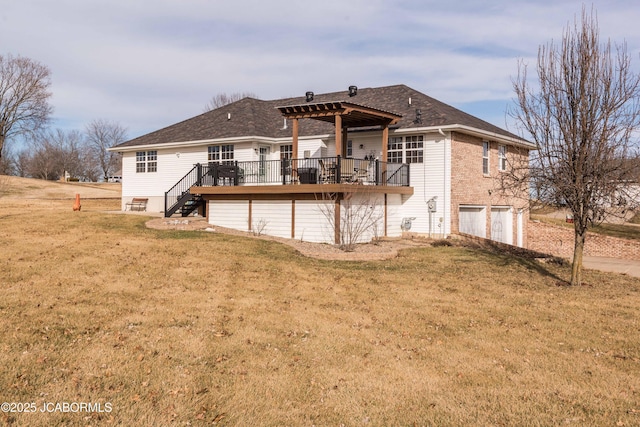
[{"x": 472, "y": 221}]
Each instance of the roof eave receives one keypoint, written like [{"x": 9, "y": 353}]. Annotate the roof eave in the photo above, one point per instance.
[{"x": 472, "y": 131}]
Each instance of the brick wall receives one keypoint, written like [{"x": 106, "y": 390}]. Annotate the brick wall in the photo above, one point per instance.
[
  {"x": 469, "y": 186},
  {"x": 558, "y": 241}
]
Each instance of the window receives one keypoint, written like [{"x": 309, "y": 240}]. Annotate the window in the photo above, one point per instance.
[
  {"x": 394, "y": 149},
  {"x": 349, "y": 148},
  {"x": 146, "y": 161},
  {"x": 286, "y": 152},
  {"x": 502, "y": 157},
  {"x": 221, "y": 153},
  {"x": 409, "y": 150},
  {"x": 414, "y": 146},
  {"x": 485, "y": 157},
  {"x": 141, "y": 157}
]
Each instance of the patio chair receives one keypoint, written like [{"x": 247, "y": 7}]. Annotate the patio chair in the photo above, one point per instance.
[
  {"x": 347, "y": 170},
  {"x": 327, "y": 172},
  {"x": 362, "y": 173}
]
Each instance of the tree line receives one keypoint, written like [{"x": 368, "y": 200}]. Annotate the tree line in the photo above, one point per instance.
[{"x": 51, "y": 154}]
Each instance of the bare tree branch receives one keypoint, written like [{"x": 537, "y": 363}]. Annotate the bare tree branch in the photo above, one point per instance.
[
  {"x": 582, "y": 116},
  {"x": 24, "y": 97},
  {"x": 222, "y": 99},
  {"x": 100, "y": 136}
]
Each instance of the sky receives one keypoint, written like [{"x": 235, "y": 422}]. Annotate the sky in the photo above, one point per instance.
[{"x": 148, "y": 64}]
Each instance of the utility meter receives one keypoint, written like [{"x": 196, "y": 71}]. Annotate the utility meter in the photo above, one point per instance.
[{"x": 431, "y": 205}]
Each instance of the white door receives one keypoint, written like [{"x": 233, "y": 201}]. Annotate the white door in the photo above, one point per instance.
[
  {"x": 501, "y": 225},
  {"x": 520, "y": 236},
  {"x": 263, "y": 165},
  {"x": 472, "y": 220}
]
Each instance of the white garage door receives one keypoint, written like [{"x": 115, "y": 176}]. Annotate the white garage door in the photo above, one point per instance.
[
  {"x": 472, "y": 220},
  {"x": 501, "y": 225}
]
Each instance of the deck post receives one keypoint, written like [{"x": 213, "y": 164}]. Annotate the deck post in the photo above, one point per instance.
[
  {"x": 294, "y": 151},
  {"x": 338, "y": 131},
  {"x": 336, "y": 220}
]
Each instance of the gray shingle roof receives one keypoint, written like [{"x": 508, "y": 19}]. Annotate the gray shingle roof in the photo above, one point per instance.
[{"x": 254, "y": 117}]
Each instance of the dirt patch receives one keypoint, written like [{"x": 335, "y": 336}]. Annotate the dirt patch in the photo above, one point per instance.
[{"x": 383, "y": 249}]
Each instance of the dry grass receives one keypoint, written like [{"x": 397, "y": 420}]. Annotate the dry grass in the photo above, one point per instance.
[{"x": 192, "y": 328}]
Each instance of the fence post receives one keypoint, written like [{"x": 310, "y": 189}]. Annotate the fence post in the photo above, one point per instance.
[
  {"x": 199, "y": 178},
  {"x": 377, "y": 170},
  {"x": 338, "y": 170}
]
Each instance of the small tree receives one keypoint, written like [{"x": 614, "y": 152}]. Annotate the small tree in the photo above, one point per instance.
[
  {"x": 222, "y": 99},
  {"x": 24, "y": 97},
  {"x": 582, "y": 117},
  {"x": 101, "y": 135},
  {"x": 360, "y": 217}
]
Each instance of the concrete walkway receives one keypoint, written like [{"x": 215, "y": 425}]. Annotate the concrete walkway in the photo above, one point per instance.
[{"x": 614, "y": 265}]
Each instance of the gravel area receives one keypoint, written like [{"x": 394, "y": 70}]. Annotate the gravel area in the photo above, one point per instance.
[{"x": 384, "y": 249}]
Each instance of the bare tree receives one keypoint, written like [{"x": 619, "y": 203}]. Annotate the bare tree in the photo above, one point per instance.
[
  {"x": 222, "y": 99},
  {"x": 361, "y": 217},
  {"x": 53, "y": 153},
  {"x": 24, "y": 97},
  {"x": 582, "y": 116},
  {"x": 101, "y": 135},
  {"x": 8, "y": 162}
]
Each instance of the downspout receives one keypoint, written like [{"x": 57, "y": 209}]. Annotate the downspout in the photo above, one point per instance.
[{"x": 444, "y": 179}]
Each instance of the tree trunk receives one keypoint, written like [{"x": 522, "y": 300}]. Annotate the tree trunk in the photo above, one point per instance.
[{"x": 578, "y": 249}]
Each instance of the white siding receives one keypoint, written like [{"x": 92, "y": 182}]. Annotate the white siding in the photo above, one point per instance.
[
  {"x": 230, "y": 214},
  {"x": 312, "y": 224},
  {"x": 173, "y": 164},
  {"x": 171, "y": 168},
  {"x": 366, "y": 213},
  {"x": 273, "y": 217},
  {"x": 473, "y": 220},
  {"x": 394, "y": 217},
  {"x": 429, "y": 179},
  {"x": 315, "y": 147}
]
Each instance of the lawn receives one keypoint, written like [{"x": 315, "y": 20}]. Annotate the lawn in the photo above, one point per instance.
[{"x": 193, "y": 328}]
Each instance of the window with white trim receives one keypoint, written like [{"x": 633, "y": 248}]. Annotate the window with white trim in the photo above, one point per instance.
[
  {"x": 485, "y": 157},
  {"x": 220, "y": 153},
  {"x": 286, "y": 152},
  {"x": 414, "y": 146},
  {"x": 146, "y": 161},
  {"x": 502, "y": 157},
  {"x": 394, "y": 149}
]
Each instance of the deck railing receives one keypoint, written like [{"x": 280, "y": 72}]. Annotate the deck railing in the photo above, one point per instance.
[{"x": 325, "y": 170}]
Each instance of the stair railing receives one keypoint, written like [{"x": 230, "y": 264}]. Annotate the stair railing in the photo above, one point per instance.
[{"x": 179, "y": 193}]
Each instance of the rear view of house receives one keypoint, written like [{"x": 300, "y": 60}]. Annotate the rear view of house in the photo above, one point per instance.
[{"x": 308, "y": 168}]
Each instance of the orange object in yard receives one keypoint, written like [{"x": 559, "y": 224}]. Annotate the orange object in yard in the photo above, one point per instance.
[{"x": 77, "y": 205}]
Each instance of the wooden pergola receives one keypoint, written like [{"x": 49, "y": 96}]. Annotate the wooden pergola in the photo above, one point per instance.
[{"x": 343, "y": 115}]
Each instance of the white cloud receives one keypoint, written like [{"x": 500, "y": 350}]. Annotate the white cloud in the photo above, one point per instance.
[{"x": 147, "y": 64}]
